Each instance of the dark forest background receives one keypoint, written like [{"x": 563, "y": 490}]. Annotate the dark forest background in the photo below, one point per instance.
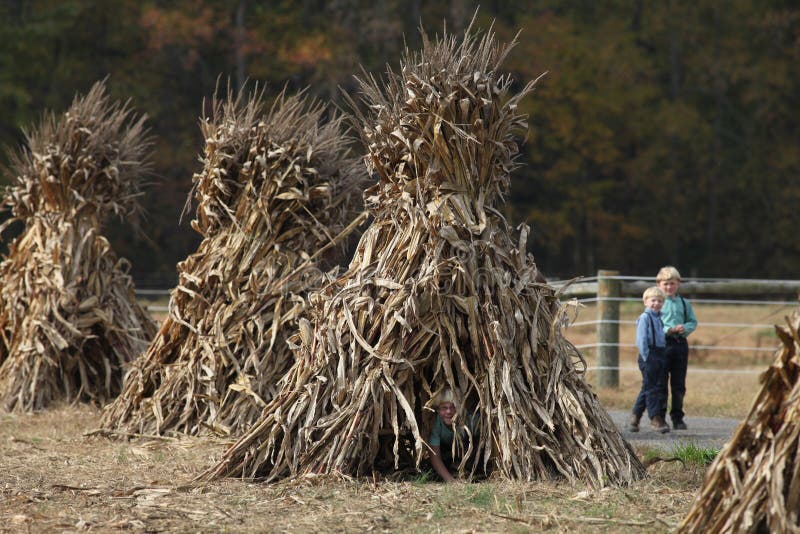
[{"x": 665, "y": 132}]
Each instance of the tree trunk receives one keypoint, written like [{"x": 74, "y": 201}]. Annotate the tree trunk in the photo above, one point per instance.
[
  {"x": 414, "y": 21},
  {"x": 673, "y": 244},
  {"x": 239, "y": 45},
  {"x": 459, "y": 15},
  {"x": 713, "y": 175}
]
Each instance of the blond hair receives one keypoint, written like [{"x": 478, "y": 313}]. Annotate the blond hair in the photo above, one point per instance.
[
  {"x": 445, "y": 395},
  {"x": 668, "y": 273},
  {"x": 654, "y": 291}
]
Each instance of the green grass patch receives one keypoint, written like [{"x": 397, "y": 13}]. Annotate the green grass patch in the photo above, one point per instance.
[
  {"x": 482, "y": 497},
  {"x": 424, "y": 477},
  {"x": 692, "y": 454},
  {"x": 651, "y": 454},
  {"x": 605, "y": 511}
]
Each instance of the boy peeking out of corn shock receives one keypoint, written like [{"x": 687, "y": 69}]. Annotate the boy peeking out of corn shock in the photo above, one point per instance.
[{"x": 444, "y": 453}]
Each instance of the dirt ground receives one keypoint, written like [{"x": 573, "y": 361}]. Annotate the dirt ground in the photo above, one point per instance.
[{"x": 56, "y": 478}]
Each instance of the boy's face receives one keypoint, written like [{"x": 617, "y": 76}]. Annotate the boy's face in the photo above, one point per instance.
[
  {"x": 447, "y": 410},
  {"x": 670, "y": 287},
  {"x": 654, "y": 303}
]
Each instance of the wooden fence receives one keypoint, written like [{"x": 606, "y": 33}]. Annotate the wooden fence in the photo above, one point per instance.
[{"x": 608, "y": 289}]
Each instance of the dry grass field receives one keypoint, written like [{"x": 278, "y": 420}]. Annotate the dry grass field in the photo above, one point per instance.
[
  {"x": 55, "y": 478},
  {"x": 58, "y": 477}
]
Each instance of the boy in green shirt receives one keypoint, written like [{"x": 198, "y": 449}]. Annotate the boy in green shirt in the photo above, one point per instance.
[
  {"x": 442, "y": 434},
  {"x": 679, "y": 321}
]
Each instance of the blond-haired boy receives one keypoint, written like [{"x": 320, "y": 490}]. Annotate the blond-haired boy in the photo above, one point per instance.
[
  {"x": 679, "y": 321},
  {"x": 443, "y": 433},
  {"x": 651, "y": 344}
]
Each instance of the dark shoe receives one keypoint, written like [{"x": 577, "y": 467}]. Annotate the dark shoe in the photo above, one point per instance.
[
  {"x": 659, "y": 425},
  {"x": 679, "y": 425},
  {"x": 633, "y": 423}
]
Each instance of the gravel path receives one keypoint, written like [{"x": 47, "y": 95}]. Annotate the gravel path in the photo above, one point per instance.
[{"x": 704, "y": 432}]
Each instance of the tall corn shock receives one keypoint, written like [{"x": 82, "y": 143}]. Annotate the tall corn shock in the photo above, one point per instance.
[
  {"x": 437, "y": 295},
  {"x": 276, "y": 197},
  {"x": 69, "y": 321},
  {"x": 754, "y": 483}
]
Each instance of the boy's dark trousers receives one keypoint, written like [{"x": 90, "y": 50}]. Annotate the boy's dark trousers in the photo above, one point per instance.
[
  {"x": 654, "y": 384},
  {"x": 677, "y": 362}
]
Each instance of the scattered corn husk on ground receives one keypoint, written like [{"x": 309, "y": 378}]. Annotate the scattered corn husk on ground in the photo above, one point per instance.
[
  {"x": 437, "y": 295},
  {"x": 276, "y": 196},
  {"x": 754, "y": 483},
  {"x": 68, "y": 318}
]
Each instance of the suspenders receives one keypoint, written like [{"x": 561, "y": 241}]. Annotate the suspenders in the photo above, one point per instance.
[{"x": 652, "y": 332}]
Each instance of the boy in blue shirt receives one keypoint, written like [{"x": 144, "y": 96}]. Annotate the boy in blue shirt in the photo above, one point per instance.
[
  {"x": 651, "y": 344},
  {"x": 679, "y": 321}
]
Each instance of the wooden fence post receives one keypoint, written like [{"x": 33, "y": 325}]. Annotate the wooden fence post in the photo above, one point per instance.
[{"x": 608, "y": 329}]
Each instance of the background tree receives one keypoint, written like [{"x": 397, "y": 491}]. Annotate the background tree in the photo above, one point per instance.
[{"x": 664, "y": 132}]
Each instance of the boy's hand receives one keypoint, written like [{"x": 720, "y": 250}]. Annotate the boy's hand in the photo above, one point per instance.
[{"x": 679, "y": 329}]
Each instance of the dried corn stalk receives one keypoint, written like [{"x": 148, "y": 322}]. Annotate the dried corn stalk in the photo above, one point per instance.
[
  {"x": 275, "y": 195},
  {"x": 754, "y": 483},
  {"x": 68, "y": 318},
  {"x": 437, "y": 295}
]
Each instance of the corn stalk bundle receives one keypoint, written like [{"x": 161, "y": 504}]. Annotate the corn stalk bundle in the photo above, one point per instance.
[
  {"x": 69, "y": 322},
  {"x": 275, "y": 195},
  {"x": 754, "y": 483},
  {"x": 437, "y": 295}
]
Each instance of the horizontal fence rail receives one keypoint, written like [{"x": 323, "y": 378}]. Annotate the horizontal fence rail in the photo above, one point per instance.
[
  {"x": 702, "y": 370},
  {"x": 635, "y": 286},
  {"x": 694, "y": 347},
  {"x": 699, "y": 301},
  {"x": 153, "y": 294},
  {"x": 705, "y": 324}
]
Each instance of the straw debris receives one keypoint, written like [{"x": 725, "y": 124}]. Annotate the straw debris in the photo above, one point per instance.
[
  {"x": 69, "y": 321},
  {"x": 437, "y": 295},
  {"x": 275, "y": 200},
  {"x": 754, "y": 483}
]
